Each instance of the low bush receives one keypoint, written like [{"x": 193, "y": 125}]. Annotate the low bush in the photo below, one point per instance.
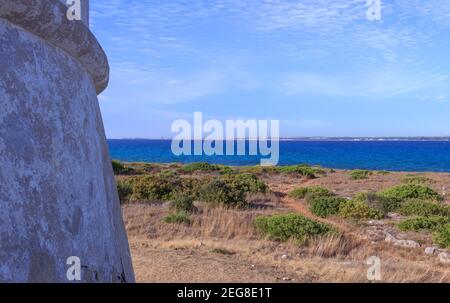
[
  {"x": 218, "y": 191},
  {"x": 416, "y": 179},
  {"x": 442, "y": 236},
  {"x": 326, "y": 205},
  {"x": 423, "y": 223},
  {"x": 182, "y": 202},
  {"x": 180, "y": 217},
  {"x": 359, "y": 210},
  {"x": 200, "y": 166},
  {"x": 417, "y": 207},
  {"x": 232, "y": 189},
  {"x": 191, "y": 186},
  {"x": 168, "y": 173},
  {"x": 226, "y": 170},
  {"x": 249, "y": 183},
  {"x": 154, "y": 187},
  {"x": 120, "y": 168},
  {"x": 125, "y": 189},
  {"x": 291, "y": 226},
  {"x": 312, "y": 191},
  {"x": 301, "y": 169},
  {"x": 360, "y": 174},
  {"x": 403, "y": 192},
  {"x": 378, "y": 202},
  {"x": 383, "y": 172}
]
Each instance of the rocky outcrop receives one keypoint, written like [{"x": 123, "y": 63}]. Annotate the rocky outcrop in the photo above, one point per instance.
[{"x": 402, "y": 243}]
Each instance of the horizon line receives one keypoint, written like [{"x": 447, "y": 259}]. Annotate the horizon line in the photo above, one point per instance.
[{"x": 315, "y": 138}]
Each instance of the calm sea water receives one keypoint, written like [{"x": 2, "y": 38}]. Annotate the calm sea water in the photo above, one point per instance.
[{"x": 374, "y": 155}]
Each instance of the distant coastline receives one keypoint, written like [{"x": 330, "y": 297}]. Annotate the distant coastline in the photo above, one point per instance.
[
  {"x": 393, "y": 154},
  {"x": 413, "y": 138}
]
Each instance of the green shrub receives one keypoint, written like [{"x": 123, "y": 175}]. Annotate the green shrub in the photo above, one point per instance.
[
  {"x": 326, "y": 205},
  {"x": 154, "y": 187},
  {"x": 302, "y": 169},
  {"x": 180, "y": 217},
  {"x": 312, "y": 191},
  {"x": 416, "y": 179},
  {"x": 291, "y": 226},
  {"x": 191, "y": 186},
  {"x": 360, "y": 174},
  {"x": 378, "y": 202},
  {"x": 218, "y": 191},
  {"x": 125, "y": 189},
  {"x": 358, "y": 210},
  {"x": 442, "y": 236},
  {"x": 226, "y": 170},
  {"x": 120, "y": 168},
  {"x": 182, "y": 202},
  {"x": 249, "y": 183},
  {"x": 383, "y": 172},
  {"x": 200, "y": 166},
  {"x": 417, "y": 207},
  {"x": 319, "y": 171},
  {"x": 423, "y": 223},
  {"x": 169, "y": 173},
  {"x": 231, "y": 189},
  {"x": 403, "y": 192}
]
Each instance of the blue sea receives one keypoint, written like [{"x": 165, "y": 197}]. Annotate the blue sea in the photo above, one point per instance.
[{"x": 374, "y": 155}]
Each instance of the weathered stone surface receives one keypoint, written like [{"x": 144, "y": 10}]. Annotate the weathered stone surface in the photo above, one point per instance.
[
  {"x": 444, "y": 258},
  {"x": 57, "y": 191},
  {"x": 430, "y": 250},
  {"x": 407, "y": 243},
  {"x": 47, "y": 20},
  {"x": 401, "y": 243}
]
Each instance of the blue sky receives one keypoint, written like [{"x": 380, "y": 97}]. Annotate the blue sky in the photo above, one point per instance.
[{"x": 319, "y": 66}]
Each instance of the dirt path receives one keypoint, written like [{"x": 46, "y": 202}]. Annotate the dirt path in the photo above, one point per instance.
[
  {"x": 198, "y": 265},
  {"x": 301, "y": 207}
]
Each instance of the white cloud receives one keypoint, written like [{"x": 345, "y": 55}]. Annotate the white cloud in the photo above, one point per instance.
[{"x": 378, "y": 83}]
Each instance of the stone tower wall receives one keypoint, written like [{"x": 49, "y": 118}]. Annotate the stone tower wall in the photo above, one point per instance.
[{"x": 58, "y": 196}]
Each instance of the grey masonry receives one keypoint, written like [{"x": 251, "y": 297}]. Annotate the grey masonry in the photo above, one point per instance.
[{"x": 58, "y": 195}]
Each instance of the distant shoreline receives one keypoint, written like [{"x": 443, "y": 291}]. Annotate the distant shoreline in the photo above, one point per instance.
[
  {"x": 347, "y": 139},
  {"x": 409, "y": 154}
]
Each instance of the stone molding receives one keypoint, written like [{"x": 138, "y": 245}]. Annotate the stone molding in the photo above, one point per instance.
[{"x": 47, "y": 20}]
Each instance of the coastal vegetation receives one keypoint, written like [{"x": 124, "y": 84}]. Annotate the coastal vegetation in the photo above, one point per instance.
[
  {"x": 312, "y": 192},
  {"x": 423, "y": 223},
  {"x": 200, "y": 166},
  {"x": 360, "y": 174},
  {"x": 401, "y": 193},
  {"x": 273, "y": 208},
  {"x": 377, "y": 201},
  {"x": 417, "y": 207},
  {"x": 325, "y": 206},
  {"x": 180, "y": 217},
  {"x": 441, "y": 235},
  {"x": 416, "y": 179},
  {"x": 291, "y": 226},
  {"x": 358, "y": 210}
]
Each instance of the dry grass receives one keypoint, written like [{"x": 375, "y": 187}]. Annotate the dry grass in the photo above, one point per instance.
[
  {"x": 180, "y": 253},
  {"x": 221, "y": 245}
]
